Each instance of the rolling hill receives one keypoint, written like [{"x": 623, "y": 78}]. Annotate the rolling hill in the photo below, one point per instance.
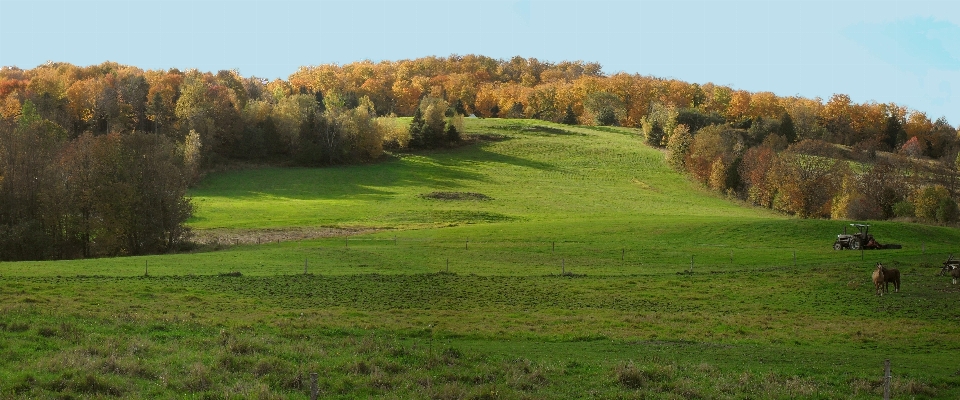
[{"x": 536, "y": 261}]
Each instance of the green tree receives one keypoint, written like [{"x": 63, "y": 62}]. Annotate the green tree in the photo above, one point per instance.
[
  {"x": 787, "y": 129},
  {"x": 894, "y": 135},
  {"x": 417, "y": 129},
  {"x": 570, "y": 118},
  {"x": 605, "y": 107},
  {"x": 927, "y": 200},
  {"x": 658, "y": 124}
]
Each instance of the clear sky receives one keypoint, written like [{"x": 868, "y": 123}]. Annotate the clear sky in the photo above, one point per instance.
[{"x": 906, "y": 52}]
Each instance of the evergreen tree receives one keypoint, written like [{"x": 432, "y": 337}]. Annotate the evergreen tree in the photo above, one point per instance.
[
  {"x": 606, "y": 117},
  {"x": 894, "y": 135},
  {"x": 452, "y": 134},
  {"x": 787, "y": 129},
  {"x": 319, "y": 97},
  {"x": 653, "y": 132},
  {"x": 417, "y": 129},
  {"x": 459, "y": 108},
  {"x": 570, "y": 118}
]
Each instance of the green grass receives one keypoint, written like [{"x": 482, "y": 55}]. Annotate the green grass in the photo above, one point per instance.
[
  {"x": 465, "y": 298},
  {"x": 530, "y": 175}
]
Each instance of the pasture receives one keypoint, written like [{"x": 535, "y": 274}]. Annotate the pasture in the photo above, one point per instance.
[{"x": 586, "y": 269}]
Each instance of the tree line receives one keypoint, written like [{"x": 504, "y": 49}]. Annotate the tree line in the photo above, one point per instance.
[{"x": 763, "y": 161}]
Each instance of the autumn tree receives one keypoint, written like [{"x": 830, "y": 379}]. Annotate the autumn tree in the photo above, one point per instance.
[
  {"x": 933, "y": 203},
  {"x": 713, "y": 157},
  {"x": 806, "y": 185},
  {"x": 678, "y": 147},
  {"x": 754, "y": 170}
]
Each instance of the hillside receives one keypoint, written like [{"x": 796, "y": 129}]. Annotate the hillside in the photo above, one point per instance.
[
  {"x": 532, "y": 171},
  {"x": 538, "y": 261}
]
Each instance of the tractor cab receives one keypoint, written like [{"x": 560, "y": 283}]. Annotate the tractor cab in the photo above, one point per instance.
[{"x": 856, "y": 241}]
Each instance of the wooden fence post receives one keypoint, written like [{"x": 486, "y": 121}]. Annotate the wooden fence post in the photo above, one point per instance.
[
  {"x": 314, "y": 388},
  {"x": 886, "y": 379},
  {"x": 304, "y": 265}
]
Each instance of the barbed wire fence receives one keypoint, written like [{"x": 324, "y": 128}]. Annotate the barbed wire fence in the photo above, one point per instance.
[{"x": 595, "y": 258}]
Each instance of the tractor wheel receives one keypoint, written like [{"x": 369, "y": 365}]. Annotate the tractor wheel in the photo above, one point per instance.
[
  {"x": 837, "y": 246},
  {"x": 854, "y": 244}
]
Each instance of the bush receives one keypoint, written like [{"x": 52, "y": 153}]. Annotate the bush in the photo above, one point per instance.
[
  {"x": 606, "y": 117},
  {"x": 946, "y": 210},
  {"x": 903, "y": 209},
  {"x": 863, "y": 208},
  {"x": 679, "y": 146},
  {"x": 927, "y": 200}
]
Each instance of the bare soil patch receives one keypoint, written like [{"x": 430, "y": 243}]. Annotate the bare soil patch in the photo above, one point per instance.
[
  {"x": 456, "y": 196},
  {"x": 224, "y": 237}
]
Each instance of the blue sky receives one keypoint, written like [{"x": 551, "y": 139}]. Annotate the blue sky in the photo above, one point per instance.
[{"x": 907, "y": 52}]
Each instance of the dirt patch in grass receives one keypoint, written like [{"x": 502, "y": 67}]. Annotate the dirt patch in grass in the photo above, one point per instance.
[
  {"x": 455, "y": 196},
  {"x": 225, "y": 237}
]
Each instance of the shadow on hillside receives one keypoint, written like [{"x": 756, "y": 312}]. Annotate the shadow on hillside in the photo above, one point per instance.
[
  {"x": 484, "y": 155},
  {"x": 534, "y": 130},
  {"x": 441, "y": 170},
  {"x": 609, "y": 129}
]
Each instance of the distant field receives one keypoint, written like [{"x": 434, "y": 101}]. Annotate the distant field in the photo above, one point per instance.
[{"x": 542, "y": 261}]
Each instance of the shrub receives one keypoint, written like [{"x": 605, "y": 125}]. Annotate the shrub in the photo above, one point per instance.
[
  {"x": 606, "y": 117},
  {"x": 678, "y": 146},
  {"x": 927, "y": 200},
  {"x": 903, "y": 209},
  {"x": 946, "y": 210},
  {"x": 913, "y": 148}
]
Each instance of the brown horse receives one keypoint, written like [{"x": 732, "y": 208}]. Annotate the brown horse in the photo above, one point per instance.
[
  {"x": 878, "y": 279},
  {"x": 890, "y": 275},
  {"x": 955, "y": 274}
]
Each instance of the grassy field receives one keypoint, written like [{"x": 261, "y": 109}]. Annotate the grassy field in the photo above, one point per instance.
[{"x": 558, "y": 262}]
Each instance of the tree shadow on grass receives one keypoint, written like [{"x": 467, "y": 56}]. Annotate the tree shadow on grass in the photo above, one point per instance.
[{"x": 445, "y": 169}]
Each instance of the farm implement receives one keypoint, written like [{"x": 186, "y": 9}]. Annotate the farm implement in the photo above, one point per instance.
[{"x": 862, "y": 240}]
